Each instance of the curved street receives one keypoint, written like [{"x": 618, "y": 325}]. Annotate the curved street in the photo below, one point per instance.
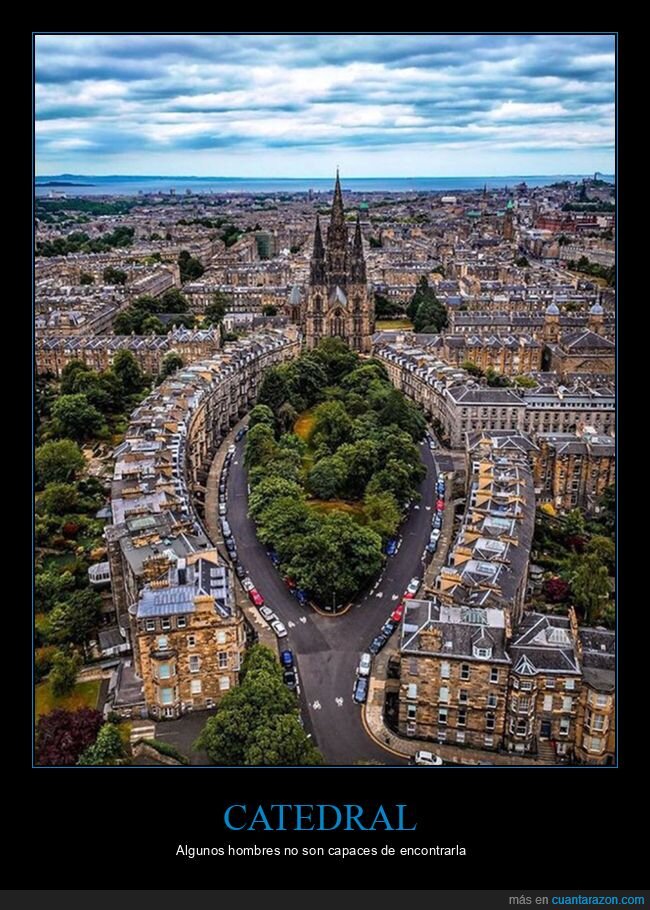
[{"x": 327, "y": 648}]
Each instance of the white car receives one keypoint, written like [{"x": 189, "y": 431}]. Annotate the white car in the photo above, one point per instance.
[
  {"x": 427, "y": 758},
  {"x": 413, "y": 586},
  {"x": 279, "y": 629},
  {"x": 267, "y": 613},
  {"x": 231, "y": 450},
  {"x": 247, "y": 584},
  {"x": 364, "y": 664},
  {"x": 222, "y": 508},
  {"x": 435, "y": 534}
]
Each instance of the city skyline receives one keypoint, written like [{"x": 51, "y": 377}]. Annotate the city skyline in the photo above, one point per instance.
[{"x": 377, "y": 105}]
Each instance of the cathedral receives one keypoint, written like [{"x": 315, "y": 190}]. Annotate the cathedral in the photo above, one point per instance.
[{"x": 339, "y": 302}]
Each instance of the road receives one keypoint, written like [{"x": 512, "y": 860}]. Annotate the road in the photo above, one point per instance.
[{"x": 327, "y": 648}]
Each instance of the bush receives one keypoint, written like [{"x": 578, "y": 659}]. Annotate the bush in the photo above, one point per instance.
[{"x": 165, "y": 749}]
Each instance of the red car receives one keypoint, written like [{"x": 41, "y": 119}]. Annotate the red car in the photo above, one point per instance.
[
  {"x": 408, "y": 595},
  {"x": 397, "y": 613},
  {"x": 440, "y": 505},
  {"x": 256, "y": 597},
  {"x": 289, "y": 582}
]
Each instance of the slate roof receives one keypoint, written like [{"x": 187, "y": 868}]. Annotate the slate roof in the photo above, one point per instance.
[
  {"x": 459, "y": 633},
  {"x": 544, "y": 642}
]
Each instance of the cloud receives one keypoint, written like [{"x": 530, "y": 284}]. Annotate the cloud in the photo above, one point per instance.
[{"x": 102, "y": 99}]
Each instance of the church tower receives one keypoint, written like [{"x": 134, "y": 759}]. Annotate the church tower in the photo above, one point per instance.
[{"x": 339, "y": 302}]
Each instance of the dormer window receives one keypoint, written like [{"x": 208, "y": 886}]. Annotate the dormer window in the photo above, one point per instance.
[{"x": 483, "y": 653}]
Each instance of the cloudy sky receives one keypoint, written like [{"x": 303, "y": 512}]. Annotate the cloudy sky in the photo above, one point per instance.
[{"x": 298, "y": 105}]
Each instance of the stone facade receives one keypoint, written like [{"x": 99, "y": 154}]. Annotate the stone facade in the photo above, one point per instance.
[
  {"x": 574, "y": 471},
  {"x": 339, "y": 302}
]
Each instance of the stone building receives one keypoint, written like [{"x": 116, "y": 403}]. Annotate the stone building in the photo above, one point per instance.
[
  {"x": 573, "y": 471},
  {"x": 595, "y": 721},
  {"x": 509, "y": 355},
  {"x": 188, "y": 636},
  {"x": 339, "y": 302},
  {"x": 582, "y": 351}
]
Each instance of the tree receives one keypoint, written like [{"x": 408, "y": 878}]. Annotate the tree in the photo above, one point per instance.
[
  {"x": 49, "y": 587},
  {"x": 58, "y": 461},
  {"x": 107, "y": 749},
  {"x": 328, "y": 478},
  {"x": 274, "y": 389},
  {"x": 170, "y": 363},
  {"x": 269, "y": 489},
  {"x": 151, "y": 325},
  {"x": 114, "y": 276},
  {"x": 420, "y": 294},
  {"x": 382, "y": 514},
  {"x": 59, "y": 498},
  {"x": 431, "y": 313},
  {"x": 336, "y": 358},
  {"x": 172, "y": 301},
  {"x": 605, "y": 550},
  {"x": 306, "y": 380},
  {"x": 74, "y": 619},
  {"x": 398, "y": 411},
  {"x": 269, "y": 310},
  {"x": 556, "y": 590},
  {"x": 260, "y": 446},
  {"x": 76, "y": 417},
  {"x": 64, "y": 672},
  {"x": 190, "y": 268},
  {"x": 261, "y": 414},
  {"x": 281, "y": 741},
  {"x": 85, "y": 279},
  {"x": 361, "y": 461},
  {"x": 385, "y": 308},
  {"x": 332, "y": 425},
  {"x": 607, "y": 510},
  {"x": 126, "y": 368},
  {"x": 589, "y": 584},
  {"x": 281, "y": 520},
  {"x": 61, "y": 736},
  {"x": 216, "y": 309}
]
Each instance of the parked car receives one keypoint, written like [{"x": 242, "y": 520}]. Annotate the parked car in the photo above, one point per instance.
[
  {"x": 279, "y": 628},
  {"x": 289, "y": 582},
  {"x": 222, "y": 508},
  {"x": 247, "y": 584},
  {"x": 225, "y": 527},
  {"x": 440, "y": 486},
  {"x": 413, "y": 585},
  {"x": 432, "y": 546},
  {"x": 222, "y": 487},
  {"x": 290, "y": 679},
  {"x": 377, "y": 644},
  {"x": 388, "y": 628},
  {"x": 231, "y": 546},
  {"x": 392, "y": 546},
  {"x": 435, "y": 534},
  {"x": 397, "y": 613},
  {"x": 301, "y": 596},
  {"x": 240, "y": 571},
  {"x": 360, "y": 691},
  {"x": 440, "y": 505},
  {"x": 437, "y": 521},
  {"x": 432, "y": 444},
  {"x": 286, "y": 659},
  {"x": 365, "y": 662},
  {"x": 240, "y": 433},
  {"x": 427, "y": 758},
  {"x": 273, "y": 556},
  {"x": 267, "y": 613},
  {"x": 231, "y": 451},
  {"x": 256, "y": 597}
]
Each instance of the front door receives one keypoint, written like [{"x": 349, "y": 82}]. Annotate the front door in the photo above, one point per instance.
[{"x": 545, "y": 730}]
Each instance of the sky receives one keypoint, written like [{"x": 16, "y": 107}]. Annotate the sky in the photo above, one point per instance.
[{"x": 299, "y": 105}]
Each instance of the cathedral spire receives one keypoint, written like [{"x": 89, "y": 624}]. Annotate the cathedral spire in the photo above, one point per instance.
[
  {"x": 338, "y": 216},
  {"x": 318, "y": 257},
  {"x": 319, "y": 249},
  {"x": 358, "y": 264}
]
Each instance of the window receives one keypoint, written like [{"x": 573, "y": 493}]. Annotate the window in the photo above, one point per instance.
[
  {"x": 526, "y": 685},
  {"x": 166, "y": 696},
  {"x": 523, "y": 703},
  {"x": 181, "y": 622},
  {"x": 165, "y": 623},
  {"x": 491, "y": 700},
  {"x": 195, "y": 686},
  {"x": 602, "y": 700},
  {"x": 596, "y": 721},
  {"x": 489, "y": 721},
  {"x": 444, "y": 669},
  {"x": 224, "y": 683},
  {"x": 162, "y": 642},
  {"x": 567, "y": 704},
  {"x": 569, "y": 683},
  {"x": 521, "y": 726},
  {"x": 164, "y": 671},
  {"x": 482, "y": 652},
  {"x": 464, "y": 671},
  {"x": 549, "y": 683},
  {"x": 561, "y": 748},
  {"x": 594, "y": 743},
  {"x": 442, "y": 736},
  {"x": 462, "y": 717},
  {"x": 463, "y": 696},
  {"x": 548, "y": 702},
  {"x": 222, "y": 657},
  {"x": 460, "y": 736},
  {"x": 488, "y": 741},
  {"x": 220, "y": 638},
  {"x": 494, "y": 675},
  {"x": 195, "y": 663},
  {"x": 565, "y": 723},
  {"x": 150, "y": 625},
  {"x": 443, "y": 695},
  {"x": 191, "y": 641},
  {"x": 442, "y": 716},
  {"x": 412, "y": 690},
  {"x": 411, "y": 712}
]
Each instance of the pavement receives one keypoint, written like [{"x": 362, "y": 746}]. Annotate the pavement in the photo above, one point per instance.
[{"x": 327, "y": 647}]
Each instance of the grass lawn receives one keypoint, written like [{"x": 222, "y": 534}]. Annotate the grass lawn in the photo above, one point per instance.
[
  {"x": 305, "y": 424},
  {"x": 353, "y": 509},
  {"x": 84, "y": 695},
  {"x": 388, "y": 325}
]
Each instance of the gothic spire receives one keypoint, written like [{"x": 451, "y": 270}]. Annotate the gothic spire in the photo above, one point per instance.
[
  {"x": 338, "y": 216},
  {"x": 358, "y": 265},
  {"x": 319, "y": 249},
  {"x": 317, "y": 269}
]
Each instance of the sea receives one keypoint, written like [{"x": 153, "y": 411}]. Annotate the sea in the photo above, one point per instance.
[{"x": 123, "y": 185}]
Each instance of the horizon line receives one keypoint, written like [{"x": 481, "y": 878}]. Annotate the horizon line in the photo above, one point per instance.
[{"x": 328, "y": 177}]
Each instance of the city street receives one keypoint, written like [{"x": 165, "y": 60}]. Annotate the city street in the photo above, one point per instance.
[{"x": 327, "y": 648}]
